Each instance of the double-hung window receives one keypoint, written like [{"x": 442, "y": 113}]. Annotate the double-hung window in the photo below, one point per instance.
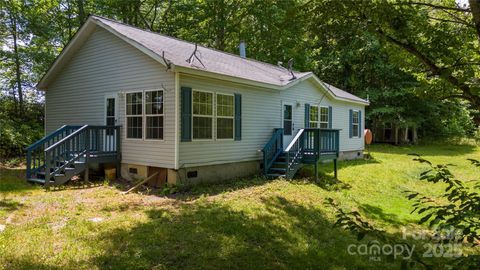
[
  {"x": 355, "y": 124},
  {"x": 225, "y": 116},
  {"x": 324, "y": 117},
  {"x": 154, "y": 114},
  {"x": 144, "y": 115},
  {"x": 313, "y": 117},
  {"x": 202, "y": 103},
  {"x": 134, "y": 115}
]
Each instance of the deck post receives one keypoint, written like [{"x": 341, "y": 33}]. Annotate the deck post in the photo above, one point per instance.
[
  {"x": 87, "y": 154},
  {"x": 335, "y": 168},
  {"x": 316, "y": 171}
]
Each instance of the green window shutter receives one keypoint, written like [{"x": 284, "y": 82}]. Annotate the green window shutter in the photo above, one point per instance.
[
  {"x": 186, "y": 111},
  {"x": 307, "y": 115},
  {"x": 360, "y": 131},
  {"x": 330, "y": 119},
  {"x": 351, "y": 124},
  {"x": 238, "y": 117}
]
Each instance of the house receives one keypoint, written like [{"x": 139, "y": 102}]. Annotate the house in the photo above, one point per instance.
[{"x": 152, "y": 103}]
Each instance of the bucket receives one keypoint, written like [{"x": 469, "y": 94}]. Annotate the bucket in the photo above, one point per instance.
[{"x": 111, "y": 174}]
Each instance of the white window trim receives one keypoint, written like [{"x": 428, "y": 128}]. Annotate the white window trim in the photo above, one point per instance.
[
  {"x": 320, "y": 122},
  {"x": 201, "y": 115},
  {"x": 224, "y": 117},
  {"x": 126, "y": 115},
  {"x": 358, "y": 124},
  {"x": 310, "y": 116},
  {"x": 143, "y": 115}
]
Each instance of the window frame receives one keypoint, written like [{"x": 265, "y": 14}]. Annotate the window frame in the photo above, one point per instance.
[
  {"x": 143, "y": 115},
  {"x": 127, "y": 116},
  {"x": 310, "y": 116},
  {"x": 200, "y": 115},
  {"x": 215, "y": 102},
  {"x": 356, "y": 124},
  {"x": 320, "y": 122}
]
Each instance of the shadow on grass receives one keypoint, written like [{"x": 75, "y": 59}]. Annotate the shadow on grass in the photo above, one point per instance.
[
  {"x": 374, "y": 212},
  {"x": 424, "y": 150},
  {"x": 284, "y": 235},
  {"x": 10, "y": 205},
  {"x": 13, "y": 180}
]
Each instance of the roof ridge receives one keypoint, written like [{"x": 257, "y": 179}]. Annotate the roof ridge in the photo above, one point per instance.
[{"x": 200, "y": 45}]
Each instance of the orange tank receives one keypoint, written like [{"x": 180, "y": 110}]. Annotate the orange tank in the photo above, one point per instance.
[{"x": 368, "y": 136}]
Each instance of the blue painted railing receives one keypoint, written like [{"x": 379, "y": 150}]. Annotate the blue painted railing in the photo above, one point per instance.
[
  {"x": 35, "y": 152},
  {"x": 307, "y": 147},
  {"x": 272, "y": 149}
]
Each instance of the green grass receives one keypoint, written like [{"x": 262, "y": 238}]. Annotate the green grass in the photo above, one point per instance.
[{"x": 250, "y": 223}]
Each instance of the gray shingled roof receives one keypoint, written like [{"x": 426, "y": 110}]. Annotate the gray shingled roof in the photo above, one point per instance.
[{"x": 178, "y": 51}]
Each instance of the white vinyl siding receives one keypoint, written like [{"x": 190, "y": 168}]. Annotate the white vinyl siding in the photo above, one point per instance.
[
  {"x": 261, "y": 113},
  {"x": 103, "y": 65}
]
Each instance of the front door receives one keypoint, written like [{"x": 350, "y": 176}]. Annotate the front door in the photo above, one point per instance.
[
  {"x": 288, "y": 125},
  {"x": 110, "y": 121}
]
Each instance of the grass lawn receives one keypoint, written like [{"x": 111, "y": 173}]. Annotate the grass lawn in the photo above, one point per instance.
[{"x": 250, "y": 223}]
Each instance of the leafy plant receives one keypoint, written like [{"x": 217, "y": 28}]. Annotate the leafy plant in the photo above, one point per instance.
[{"x": 458, "y": 207}]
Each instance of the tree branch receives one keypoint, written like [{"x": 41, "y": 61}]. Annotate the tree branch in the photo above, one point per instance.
[
  {"x": 451, "y": 21},
  {"x": 459, "y": 9}
]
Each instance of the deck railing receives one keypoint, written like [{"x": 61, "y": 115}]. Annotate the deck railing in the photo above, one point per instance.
[
  {"x": 272, "y": 149},
  {"x": 81, "y": 142},
  {"x": 35, "y": 152}
]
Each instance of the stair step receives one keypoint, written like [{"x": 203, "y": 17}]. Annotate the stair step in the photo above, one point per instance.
[
  {"x": 279, "y": 163},
  {"x": 275, "y": 175},
  {"x": 79, "y": 162},
  {"x": 36, "y": 180},
  {"x": 283, "y": 170},
  {"x": 59, "y": 175},
  {"x": 69, "y": 169}
]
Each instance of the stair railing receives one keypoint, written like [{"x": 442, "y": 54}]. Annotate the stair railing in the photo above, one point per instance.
[
  {"x": 294, "y": 153},
  {"x": 272, "y": 149},
  {"x": 35, "y": 152},
  {"x": 66, "y": 151}
]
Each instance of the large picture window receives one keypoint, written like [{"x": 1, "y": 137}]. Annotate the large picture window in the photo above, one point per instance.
[
  {"x": 313, "y": 117},
  {"x": 202, "y": 103},
  {"x": 154, "y": 114},
  {"x": 144, "y": 115},
  {"x": 134, "y": 115},
  {"x": 324, "y": 117},
  {"x": 355, "y": 124},
  {"x": 225, "y": 116}
]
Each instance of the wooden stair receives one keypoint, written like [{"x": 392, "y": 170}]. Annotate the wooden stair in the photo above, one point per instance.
[
  {"x": 69, "y": 151},
  {"x": 308, "y": 146}
]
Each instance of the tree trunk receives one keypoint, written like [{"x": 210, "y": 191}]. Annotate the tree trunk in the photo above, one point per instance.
[
  {"x": 475, "y": 9},
  {"x": 18, "y": 71},
  {"x": 405, "y": 136},
  {"x": 81, "y": 11},
  {"x": 415, "y": 136},
  {"x": 396, "y": 135}
]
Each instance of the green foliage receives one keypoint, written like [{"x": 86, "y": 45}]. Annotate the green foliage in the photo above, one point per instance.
[
  {"x": 17, "y": 132},
  {"x": 458, "y": 208}
]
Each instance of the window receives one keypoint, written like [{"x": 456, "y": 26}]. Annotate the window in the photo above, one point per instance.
[
  {"x": 134, "y": 115},
  {"x": 202, "y": 103},
  {"x": 144, "y": 115},
  {"x": 287, "y": 119},
  {"x": 313, "y": 117},
  {"x": 154, "y": 114},
  {"x": 355, "y": 124},
  {"x": 324, "y": 117},
  {"x": 225, "y": 116}
]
